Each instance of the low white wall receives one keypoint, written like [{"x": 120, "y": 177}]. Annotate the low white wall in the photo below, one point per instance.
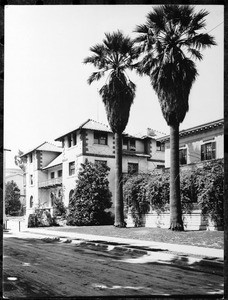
[{"x": 193, "y": 221}]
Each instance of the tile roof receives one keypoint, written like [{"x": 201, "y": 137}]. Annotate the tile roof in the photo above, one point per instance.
[
  {"x": 89, "y": 124},
  {"x": 46, "y": 146},
  {"x": 57, "y": 161}
]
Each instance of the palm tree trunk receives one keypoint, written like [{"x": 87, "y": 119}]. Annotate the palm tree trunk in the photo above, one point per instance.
[
  {"x": 119, "y": 215},
  {"x": 176, "y": 222}
]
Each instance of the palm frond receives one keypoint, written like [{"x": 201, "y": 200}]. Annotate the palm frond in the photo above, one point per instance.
[
  {"x": 95, "y": 76},
  {"x": 201, "y": 40},
  {"x": 195, "y": 53}
]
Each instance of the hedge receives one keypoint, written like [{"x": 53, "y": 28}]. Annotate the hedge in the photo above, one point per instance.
[{"x": 202, "y": 186}]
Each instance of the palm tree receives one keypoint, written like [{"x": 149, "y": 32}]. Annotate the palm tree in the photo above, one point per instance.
[
  {"x": 170, "y": 40},
  {"x": 113, "y": 57}
]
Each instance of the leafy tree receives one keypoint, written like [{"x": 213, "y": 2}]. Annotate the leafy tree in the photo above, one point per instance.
[
  {"x": 20, "y": 161},
  {"x": 112, "y": 58},
  {"x": 169, "y": 41},
  {"x": 91, "y": 197},
  {"x": 12, "y": 198}
]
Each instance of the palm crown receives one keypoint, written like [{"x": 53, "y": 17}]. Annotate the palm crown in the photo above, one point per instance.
[
  {"x": 113, "y": 57},
  {"x": 170, "y": 40}
]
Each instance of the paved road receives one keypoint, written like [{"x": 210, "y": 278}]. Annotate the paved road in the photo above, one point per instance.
[{"x": 35, "y": 267}]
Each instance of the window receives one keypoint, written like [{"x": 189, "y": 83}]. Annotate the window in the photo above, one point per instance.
[
  {"x": 132, "y": 145},
  {"x": 160, "y": 146},
  {"x": 72, "y": 168},
  {"x": 183, "y": 156},
  {"x": 129, "y": 144},
  {"x": 52, "y": 199},
  {"x": 208, "y": 151},
  {"x": 74, "y": 139},
  {"x": 69, "y": 141},
  {"x": 102, "y": 162},
  {"x": 100, "y": 138},
  {"x": 133, "y": 168},
  {"x": 60, "y": 173},
  {"x": 31, "y": 201},
  {"x": 30, "y": 157},
  {"x": 31, "y": 179},
  {"x": 52, "y": 175},
  {"x": 125, "y": 144}
]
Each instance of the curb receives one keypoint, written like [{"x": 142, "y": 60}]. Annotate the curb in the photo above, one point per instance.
[{"x": 187, "y": 261}]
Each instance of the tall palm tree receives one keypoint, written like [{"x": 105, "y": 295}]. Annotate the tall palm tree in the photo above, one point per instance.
[
  {"x": 170, "y": 40},
  {"x": 112, "y": 58}
]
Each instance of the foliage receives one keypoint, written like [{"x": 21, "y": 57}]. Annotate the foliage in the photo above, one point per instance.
[
  {"x": 135, "y": 197},
  {"x": 210, "y": 181},
  {"x": 41, "y": 218},
  {"x": 112, "y": 58},
  {"x": 12, "y": 198},
  {"x": 188, "y": 189},
  {"x": 158, "y": 192},
  {"x": 91, "y": 196},
  {"x": 59, "y": 209},
  {"x": 204, "y": 187},
  {"x": 20, "y": 161},
  {"x": 169, "y": 40}
]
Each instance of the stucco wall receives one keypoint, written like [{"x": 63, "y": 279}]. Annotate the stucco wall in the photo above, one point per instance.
[
  {"x": 93, "y": 148},
  {"x": 193, "y": 145}
]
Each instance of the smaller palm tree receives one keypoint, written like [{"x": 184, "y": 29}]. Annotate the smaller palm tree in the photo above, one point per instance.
[
  {"x": 169, "y": 41},
  {"x": 112, "y": 58}
]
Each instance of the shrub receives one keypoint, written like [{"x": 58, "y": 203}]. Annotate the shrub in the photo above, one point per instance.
[
  {"x": 210, "y": 180},
  {"x": 158, "y": 192},
  {"x": 203, "y": 186},
  {"x": 41, "y": 218},
  {"x": 91, "y": 197},
  {"x": 134, "y": 192},
  {"x": 188, "y": 191}
]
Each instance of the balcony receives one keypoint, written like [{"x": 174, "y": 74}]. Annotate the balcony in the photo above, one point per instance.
[{"x": 50, "y": 183}]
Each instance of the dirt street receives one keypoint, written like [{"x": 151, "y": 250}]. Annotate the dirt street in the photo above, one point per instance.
[{"x": 34, "y": 267}]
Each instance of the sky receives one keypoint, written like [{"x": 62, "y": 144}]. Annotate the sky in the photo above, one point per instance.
[{"x": 46, "y": 93}]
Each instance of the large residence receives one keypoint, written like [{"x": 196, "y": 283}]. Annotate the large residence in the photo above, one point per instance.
[{"x": 51, "y": 169}]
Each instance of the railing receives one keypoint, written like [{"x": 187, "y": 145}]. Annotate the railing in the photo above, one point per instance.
[{"x": 50, "y": 183}]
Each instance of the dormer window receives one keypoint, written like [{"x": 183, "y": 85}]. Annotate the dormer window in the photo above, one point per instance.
[{"x": 100, "y": 138}]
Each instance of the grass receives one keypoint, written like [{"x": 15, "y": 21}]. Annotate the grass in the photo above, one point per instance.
[{"x": 211, "y": 239}]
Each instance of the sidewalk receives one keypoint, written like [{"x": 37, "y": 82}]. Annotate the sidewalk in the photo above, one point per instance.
[{"x": 203, "y": 252}]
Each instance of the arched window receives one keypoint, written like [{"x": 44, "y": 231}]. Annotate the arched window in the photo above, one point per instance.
[
  {"x": 31, "y": 201},
  {"x": 71, "y": 194}
]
